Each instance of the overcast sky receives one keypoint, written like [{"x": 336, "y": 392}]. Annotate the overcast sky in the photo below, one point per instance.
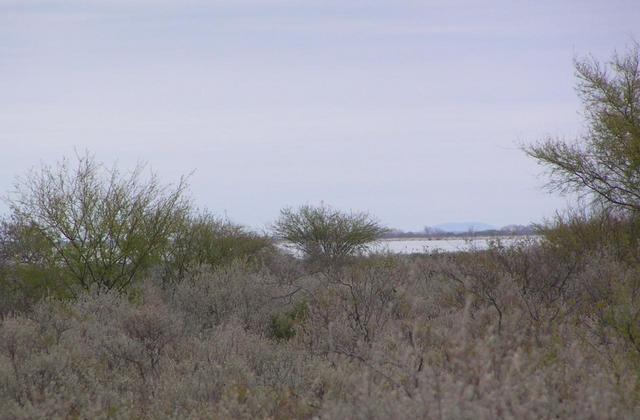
[{"x": 411, "y": 110}]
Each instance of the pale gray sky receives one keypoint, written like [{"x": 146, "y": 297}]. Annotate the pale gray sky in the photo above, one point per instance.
[{"x": 411, "y": 110}]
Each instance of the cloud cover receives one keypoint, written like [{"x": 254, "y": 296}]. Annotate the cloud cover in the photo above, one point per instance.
[{"x": 412, "y": 110}]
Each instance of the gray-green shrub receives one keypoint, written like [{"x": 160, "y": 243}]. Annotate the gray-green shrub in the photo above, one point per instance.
[{"x": 384, "y": 337}]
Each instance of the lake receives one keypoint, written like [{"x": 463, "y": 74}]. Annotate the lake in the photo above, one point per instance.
[{"x": 427, "y": 245}]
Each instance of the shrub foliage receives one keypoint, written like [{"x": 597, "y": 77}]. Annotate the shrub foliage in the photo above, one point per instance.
[
  {"x": 605, "y": 161},
  {"x": 101, "y": 227},
  {"x": 326, "y": 234}
]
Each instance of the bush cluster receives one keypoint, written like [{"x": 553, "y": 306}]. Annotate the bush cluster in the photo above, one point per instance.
[{"x": 524, "y": 331}]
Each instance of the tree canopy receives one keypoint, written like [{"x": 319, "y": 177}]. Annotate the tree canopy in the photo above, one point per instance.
[
  {"x": 326, "y": 233},
  {"x": 98, "y": 226},
  {"x": 603, "y": 163}
]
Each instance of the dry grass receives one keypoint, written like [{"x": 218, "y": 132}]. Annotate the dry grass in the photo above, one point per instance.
[{"x": 509, "y": 333}]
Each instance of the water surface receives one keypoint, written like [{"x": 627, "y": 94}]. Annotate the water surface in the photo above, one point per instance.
[{"x": 429, "y": 245}]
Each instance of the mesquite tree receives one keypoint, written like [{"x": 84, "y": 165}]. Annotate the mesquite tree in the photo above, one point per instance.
[
  {"x": 325, "y": 234},
  {"x": 102, "y": 227},
  {"x": 604, "y": 163}
]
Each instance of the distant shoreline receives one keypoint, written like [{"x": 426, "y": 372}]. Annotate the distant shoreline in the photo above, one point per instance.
[{"x": 449, "y": 237}]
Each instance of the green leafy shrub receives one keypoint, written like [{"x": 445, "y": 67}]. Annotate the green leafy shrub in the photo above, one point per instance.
[
  {"x": 603, "y": 163},
  {"x": 579, "y": 232},
  {"x": 28, "y": 268},
  {"x": 207, "y": 241},
  {"x": 325, "y": 235},
  {"x": 283, "y": 324},
  {"x": 100, "y": 227}
]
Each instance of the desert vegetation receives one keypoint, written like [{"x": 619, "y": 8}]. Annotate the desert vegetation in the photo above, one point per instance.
[{"x": 119, "y": 299}]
